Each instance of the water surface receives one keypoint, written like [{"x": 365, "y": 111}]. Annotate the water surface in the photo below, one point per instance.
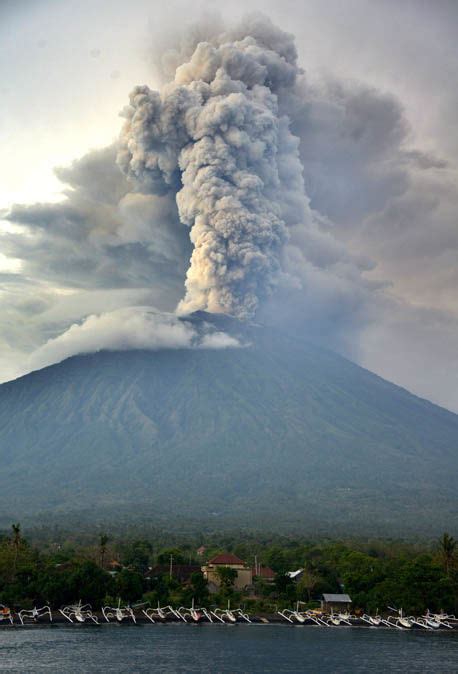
[{"x": 224, "y": 649}]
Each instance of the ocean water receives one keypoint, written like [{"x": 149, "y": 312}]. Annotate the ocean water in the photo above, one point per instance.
[{"x": 224, "y": 648}]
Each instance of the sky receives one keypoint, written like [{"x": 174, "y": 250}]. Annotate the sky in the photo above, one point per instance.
[{"x": 373, "y": 273}]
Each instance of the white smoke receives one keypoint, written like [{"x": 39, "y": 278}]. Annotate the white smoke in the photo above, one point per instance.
[
  {"x": 129, "y": 328},
  {"x": 215, "y": 138}
]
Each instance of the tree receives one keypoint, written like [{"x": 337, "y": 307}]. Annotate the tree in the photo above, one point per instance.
[
  {"x": 129, "y": 585},
  {"x": 90, "y": 583},
  {"x": 227, "y": 577},
  {"x": 103, "y": 549},
  {"x": 285, "y": 587},
  {"x": 137, "y": 555},
  {"x": 176, "y": 555},
  {"x": 308, "y": 582},
  {"x": 199, "y": 587},
  {"x": 276, "y": 559},
  {"x": 447, "y": 548},
  {"x": 16, "y": 542},
  {"x": 197, "y": 590}
]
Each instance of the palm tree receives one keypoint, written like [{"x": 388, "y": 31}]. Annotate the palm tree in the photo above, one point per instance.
[
  {"x": 447, "y": 548},
  {"x": 308, "y": 581},
  {"x": 16, "y": 542},
  {"x": 103, "y": 549}
]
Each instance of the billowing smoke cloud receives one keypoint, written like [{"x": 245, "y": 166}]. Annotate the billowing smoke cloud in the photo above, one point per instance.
[
  {"x": 216, "y": 138},
  {"x": 129, "y": 328}
]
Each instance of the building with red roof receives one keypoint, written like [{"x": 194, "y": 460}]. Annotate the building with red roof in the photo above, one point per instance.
[{"x": 226, "y": 559}]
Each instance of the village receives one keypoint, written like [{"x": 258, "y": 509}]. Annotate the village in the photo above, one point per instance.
[{"x": 337, "y": 584}]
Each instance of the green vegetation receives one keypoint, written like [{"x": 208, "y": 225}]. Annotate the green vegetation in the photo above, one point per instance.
[{"x": 377, "y": 574}]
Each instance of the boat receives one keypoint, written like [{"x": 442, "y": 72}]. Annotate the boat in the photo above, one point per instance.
[
  {"x": 317, "y": 617},
  {"x": 79, "y": 613},
  {"x": 229, "y": 615},
  {"x": 6, "y": 614},
  {"x": 239, "y": 613},
  {"x": 373, "y": 621},
  {"x": 293, "y": 615},
  {"x": 401, "y": 622},
  {"x": 438, "y": 620},
  {"x": 346, "y": 618},
  {"x": 196, "y": 615},
  {"x": 161, "y": 613},
  {"x": 35, "y": 614},
  {"x": 119, "y": 613},
  {"x": 225, "y": 615}
]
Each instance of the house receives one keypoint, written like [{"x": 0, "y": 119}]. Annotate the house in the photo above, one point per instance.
[
  {"x": 201, "y": 551},
  {"x": 244, "y": 572},
  {"x": 335, "y": 603}
]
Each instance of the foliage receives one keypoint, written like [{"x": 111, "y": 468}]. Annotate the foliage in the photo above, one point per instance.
[
  {"x": 174, "y": 553},
  {"x": 376, "y": 574},
  {"x": 448, "y": 548},
  {"x": 137, "y": 555},
  {"x": 129, "y": 585}
]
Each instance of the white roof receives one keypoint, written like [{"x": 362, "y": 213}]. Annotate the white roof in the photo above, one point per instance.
[
  {"x": 294, "y": 574},
  {"x": 344, "y": 598}
]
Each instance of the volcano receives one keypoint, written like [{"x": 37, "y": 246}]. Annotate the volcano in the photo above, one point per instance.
[{"x": 277, "y": 434}]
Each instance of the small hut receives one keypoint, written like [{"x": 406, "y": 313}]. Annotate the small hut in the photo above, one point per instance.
[{"x": 335, "y": 603}]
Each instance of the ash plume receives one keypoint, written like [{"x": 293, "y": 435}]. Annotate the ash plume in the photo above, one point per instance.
[{"x": 218, "y": 139}]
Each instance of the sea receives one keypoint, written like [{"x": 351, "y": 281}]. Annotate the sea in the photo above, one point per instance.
[{"x": 224, "y": 648}]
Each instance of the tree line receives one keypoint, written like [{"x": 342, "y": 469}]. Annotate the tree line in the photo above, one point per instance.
[{"x": 376, "y": 574}]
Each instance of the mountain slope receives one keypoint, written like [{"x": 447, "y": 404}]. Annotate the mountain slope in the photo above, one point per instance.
[{"x": 278, "y": 433}]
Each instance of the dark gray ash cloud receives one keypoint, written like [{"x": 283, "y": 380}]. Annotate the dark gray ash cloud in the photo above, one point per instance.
[{"x": 214, "y": 137}]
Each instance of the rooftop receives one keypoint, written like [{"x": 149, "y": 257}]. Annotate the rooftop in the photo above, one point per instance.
[
  {"x": 344, "y": 598},
  {"x": 226, "y": 559}
]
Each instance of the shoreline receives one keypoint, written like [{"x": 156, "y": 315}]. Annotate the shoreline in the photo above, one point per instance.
[{"x": 141, "y": 621}]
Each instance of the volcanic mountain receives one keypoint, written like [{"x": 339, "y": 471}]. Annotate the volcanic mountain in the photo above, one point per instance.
[{"x": 277, "y": 434}]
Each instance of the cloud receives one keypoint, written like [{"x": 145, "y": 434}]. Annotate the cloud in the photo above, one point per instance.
[
  {"x": 415, "y": 347},
  {"x": 125, "y": 329},
  {"x": 218, "y": 340},
  {"x": 100, "y": 236}
]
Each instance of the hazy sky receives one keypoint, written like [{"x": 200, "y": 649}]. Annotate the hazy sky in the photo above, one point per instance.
[{"x": 379, "y": 144}]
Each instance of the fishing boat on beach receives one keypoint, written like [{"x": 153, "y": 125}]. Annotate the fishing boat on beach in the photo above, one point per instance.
[
  {"x": 438, "y": 620},
  {"x": 193, "y": 614},
  {"x": 293, "y": 615},
  {"x": 373, "y": 621},
  {"x": 80, "y": 613},
  {"x": 35, "y": 615},
  {"x": 399, "y": 621},
  {"x": 337, "y": 619},
  {"x": 118, "y": 613},
  {"x": 161, "y": 613},
  {"x": 229, "y": 615}
]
